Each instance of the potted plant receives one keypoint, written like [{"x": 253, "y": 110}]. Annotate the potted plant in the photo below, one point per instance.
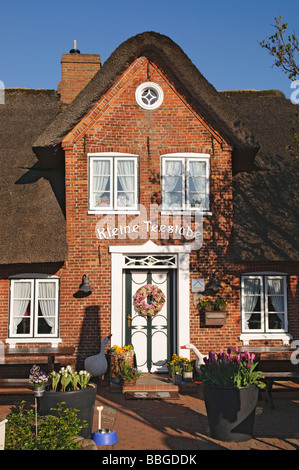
[
  {"x": 128, "y": 375},
  {"x": 207, "y": 305},
  {"x": 74, "y": 390},
  {"x": 120, "y": 355},
  {"x": 176, "y": 360},
  {"x": 220, "y": 304},
  {"x": 38, "y": 378},
  {"x": 187, "y": 371},
  {"x": 176, "y": 372},
  {"x": 230, "y": 387}
]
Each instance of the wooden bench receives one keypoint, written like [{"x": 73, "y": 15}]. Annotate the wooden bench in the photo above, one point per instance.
[
  {"x": 271, "y": 377},
  {"x": 276, "y": 366},
  {"x": 23, "y": 354},
  {"x": 15, "y": 386},
  {"x": 15, "y": 357}
]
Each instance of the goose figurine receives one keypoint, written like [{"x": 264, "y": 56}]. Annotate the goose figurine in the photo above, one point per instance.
[
  {"x": 200, "y": 358},
  {"x": 97, "y": 365}
]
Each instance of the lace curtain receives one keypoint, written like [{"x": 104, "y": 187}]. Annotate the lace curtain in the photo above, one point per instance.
[
  {"x": 275, "y": 292},
  {"x": 46, "y": 295},
  {"x": 22, "y": 297},
  {"x": 197, "y": 183},
  {"x": 252, "y": 290},
  {"x": 126, "y": 183},
  {"x": 172, "y": 188},
  {"x": 101, "y": 175}
]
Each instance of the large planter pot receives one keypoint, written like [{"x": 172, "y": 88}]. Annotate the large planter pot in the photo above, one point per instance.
[
  {"x": 82, "y": 400},
  {"x": 231, "y": 412}
]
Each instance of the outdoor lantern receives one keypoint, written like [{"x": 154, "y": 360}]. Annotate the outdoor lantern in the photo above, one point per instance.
[
  {"x": 214, "y": 283},
  {"x": 85, "y": 285}
]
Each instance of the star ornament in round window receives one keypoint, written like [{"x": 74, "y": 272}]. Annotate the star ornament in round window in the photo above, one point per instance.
[{"x": 149, "y": 95}]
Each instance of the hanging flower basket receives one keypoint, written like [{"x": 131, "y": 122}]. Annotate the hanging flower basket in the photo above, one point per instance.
[{"x": 149, "y": 300}]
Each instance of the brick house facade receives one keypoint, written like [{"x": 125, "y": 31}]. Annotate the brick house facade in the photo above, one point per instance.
[{"x": 112, "y": 164}]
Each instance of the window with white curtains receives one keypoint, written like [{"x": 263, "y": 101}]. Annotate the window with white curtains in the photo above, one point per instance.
[
  {"x": 112, "y": 182},
  {"x": 264, "y": 303},
  {"x": 34, "y": 307},
  {"x": 186, "y": 182}
]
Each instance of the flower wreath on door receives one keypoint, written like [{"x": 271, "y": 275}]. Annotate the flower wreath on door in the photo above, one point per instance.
[{"x": 149, "y": 300}]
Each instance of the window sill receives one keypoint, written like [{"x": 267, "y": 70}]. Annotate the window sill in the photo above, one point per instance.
[
  {"x": 185, "y": 212},
  {"x": 114, "y": 212},
  {"x": 13, "y": 341},
  {"x": 284, "y": 337}
]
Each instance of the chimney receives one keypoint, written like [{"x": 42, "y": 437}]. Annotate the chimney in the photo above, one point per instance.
[{"x": 76, "y": 71}]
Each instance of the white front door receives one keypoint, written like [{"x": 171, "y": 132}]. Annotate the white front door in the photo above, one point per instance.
[{"x": 152, "y": 337}]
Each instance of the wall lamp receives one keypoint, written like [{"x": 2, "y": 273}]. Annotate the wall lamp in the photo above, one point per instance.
[
  {"x": 85, "y": 284},
  {"x": 85, "y": 288}
]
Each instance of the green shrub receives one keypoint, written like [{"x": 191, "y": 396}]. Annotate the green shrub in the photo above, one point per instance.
[{"x": 26, "y": 431}]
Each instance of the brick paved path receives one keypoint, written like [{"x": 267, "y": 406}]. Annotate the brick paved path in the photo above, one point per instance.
[
  {"x": 172, "y": 425},
  {"x": 182, "y": 424}
]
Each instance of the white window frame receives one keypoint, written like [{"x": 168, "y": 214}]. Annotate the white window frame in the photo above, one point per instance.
[
  {"x": 186, "y": 157},
  {"x": 264, "y": 330},
  {"x": 153, "y": 86},
  {"x": 113, "y": 207},
  {"x": 33, "y": 331}
]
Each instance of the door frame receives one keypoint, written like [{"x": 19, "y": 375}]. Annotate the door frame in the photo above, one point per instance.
[{"x": 118, "y": 253}]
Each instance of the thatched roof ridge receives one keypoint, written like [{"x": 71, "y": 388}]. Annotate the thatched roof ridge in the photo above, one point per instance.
[
  {"x": 32, "y": 222},
  {"x": 204, "y": 96}
]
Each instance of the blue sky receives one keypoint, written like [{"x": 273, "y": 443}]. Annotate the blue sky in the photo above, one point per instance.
[{"x": 220, "y": 37}]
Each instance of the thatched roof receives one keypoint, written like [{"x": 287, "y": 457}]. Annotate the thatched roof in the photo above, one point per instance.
[
  {"x": 180, "y": 70},
  {"x": 32, "y": 222},
  {"x": 266, "y": 201}
]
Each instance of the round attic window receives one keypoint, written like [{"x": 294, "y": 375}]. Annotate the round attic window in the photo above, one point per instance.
[{"x": 149, "y": 95}]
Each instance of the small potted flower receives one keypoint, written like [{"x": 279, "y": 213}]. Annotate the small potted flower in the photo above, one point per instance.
[
  {"x": 207, "y": 305},
  {"x": 220, "y": 304},
  {"x": 187, "y": 371},
  {"x": 128, "y": 375},
  {"x": 176, "y": 361},
  {"x": 230, "y": 387},
  {"x": 38, "y": 378},
  {"x": 176, "y": 372}
]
